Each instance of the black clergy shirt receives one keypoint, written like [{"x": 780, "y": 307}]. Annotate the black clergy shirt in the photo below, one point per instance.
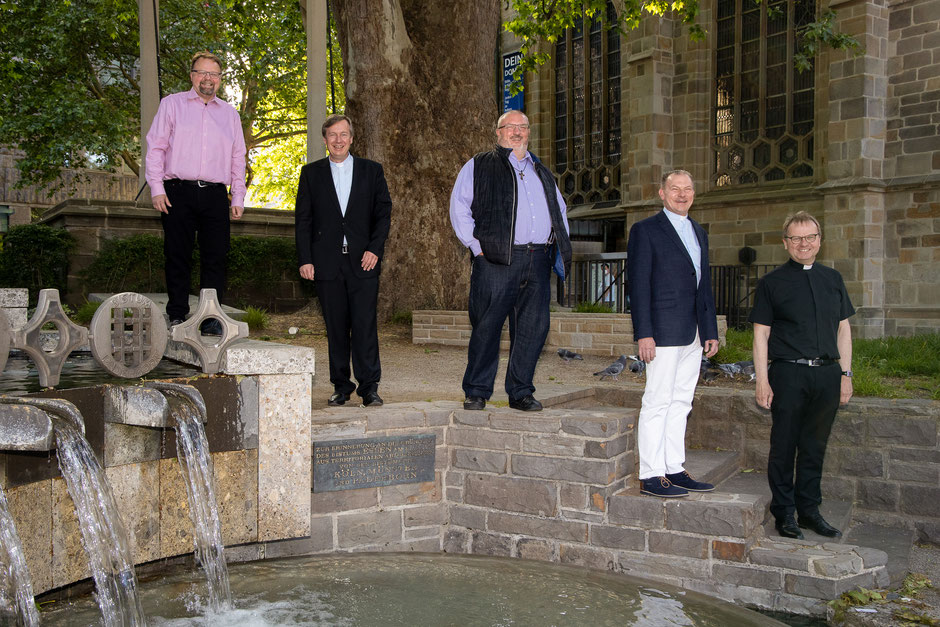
[{"x": 803, "y": 309}]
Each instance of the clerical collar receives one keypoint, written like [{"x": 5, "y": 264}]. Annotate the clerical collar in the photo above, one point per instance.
[
  {"x": 796, "y": 265},
  {"x": 340, "y": 164}
]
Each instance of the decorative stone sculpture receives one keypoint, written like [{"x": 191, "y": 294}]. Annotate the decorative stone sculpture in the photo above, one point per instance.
[
  {"x": 210, "y": 355},
  {"x": 24, "y": 427},
  {"x": 62, "y": 408},
  {"x": 128, "y": 335},
  {"x": 71, "y": 336}
]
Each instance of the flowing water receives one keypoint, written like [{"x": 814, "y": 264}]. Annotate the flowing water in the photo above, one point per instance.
[
  {"x": 16, "y": 589},
  {"x": 388, "y": 590},
  {"x": 188, "y": 413},
  {"x": 102, "y": 532}
]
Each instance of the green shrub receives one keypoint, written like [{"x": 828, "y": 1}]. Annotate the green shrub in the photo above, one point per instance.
[
  {"x": 85, "y": 312},
  {"x": 255, "y": 318},
  {"x": 589, "y": 307},
  {"x": 36, "y": 256},
  {"x": 737, "y": 346},
  {"x": 127, "y": 264},
  {"x": 401, "y": 317}
]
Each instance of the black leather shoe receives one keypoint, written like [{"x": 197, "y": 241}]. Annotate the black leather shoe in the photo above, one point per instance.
[
  {"x": 338, "y": 399},
  {"x": 474, "y": 402},
  {"x": 211, "y": 327},
  {"x": 372, "y": 399},
  {"x": 526, "y": 403},
  {"x": 818, "y": 524},
  {"x": 788, "y": 528},
  {"x": 175, "y": 321}
]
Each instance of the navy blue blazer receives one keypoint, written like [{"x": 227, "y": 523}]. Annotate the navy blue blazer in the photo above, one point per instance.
[
  {"x": 320, "y": 224},
  {"x": 665, "y": 302}
]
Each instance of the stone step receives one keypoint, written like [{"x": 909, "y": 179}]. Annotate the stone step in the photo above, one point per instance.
[
  {"x": 712, "y": 466},
  {"x": 837, "y": 513},
  {"x": 897, "y": 542}
]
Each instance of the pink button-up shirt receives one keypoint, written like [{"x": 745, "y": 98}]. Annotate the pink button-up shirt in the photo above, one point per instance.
[{"x": 193, "y": 140}]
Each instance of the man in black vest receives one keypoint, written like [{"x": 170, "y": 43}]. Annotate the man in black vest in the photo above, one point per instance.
[
  {"x": 506, "y": 208},
  {"x": 342, "y": 220}
]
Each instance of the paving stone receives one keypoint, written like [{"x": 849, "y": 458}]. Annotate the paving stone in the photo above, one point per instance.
[
  {"x": 321, "y": 533},
  {"x": 838, "y": 566},
  {"x": 871, "y": 558},
  {"x": 526, "y": 496},
  {"x": 491, "y": 544},
  {"x": 574, "y": 495},
  {"x": 482, "y": 461},
  {"x": 357, "y": 530},
  {"x": 618, "y": 537},
  {"x": 675, "y": 544},
  {"x": 903, "y": 430},
  {"x": 470, "y": 517},
  {"x": 472, "y": 418},
  {"x": 880, "y": 495},
  {"x": 914, "y": 472},
  {"x": 343, "y": 500},
  {"x": 604, "y": 449},
  {"x": 530, "y": 549},
  {"x": 920, "y": 500},
  {"x": 916, "y": 455},
  {"x": 593, "y": 427},
  {"x": 286, "y": 548},
  {"x": 395, "y": 419},
  {"x": 588, "y": 557},
  {"x": 423, "y": 533},
  {"x": 512, "y": 420},
  {"x": 716, "y": 516},
  {"x": 791, "y": 559},
  {"x": 411, "y": 493},
  {"x": 647, "y": 564},
  {"x": 483, "y": 438},
  {"x": 593, "y": 517},
  {"x": 637, "y": 511},
  {"x": 823, "y": 588},
  {"x": 561, "y": 469},
  {"x": 748, "y": 576},
  {"x": 553, "y": 445},
  {"x": 436, "y": 417},
  {"x": 425, "y": 515},
  {"x": 570, "y": 531},
  {"x": 456, "y": 541},
  {"x": 856, "y": 462},
  {"x": 729, "y": 551}
]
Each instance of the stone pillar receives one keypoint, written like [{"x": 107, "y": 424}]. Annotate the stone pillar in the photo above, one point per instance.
[
  {"x": 148, "y": 12},
  {"x": 854, "y": 199},
  {"x": 315, "y": 27}
]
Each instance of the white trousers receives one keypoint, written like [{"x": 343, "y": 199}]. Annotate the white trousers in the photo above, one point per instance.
[{"x": 667, "y": 400}]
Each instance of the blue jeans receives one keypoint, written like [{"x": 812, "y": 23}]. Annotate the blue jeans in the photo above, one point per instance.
[{"x": 521, "y": 291}]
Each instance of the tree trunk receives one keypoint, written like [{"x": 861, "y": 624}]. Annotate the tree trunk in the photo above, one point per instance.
[{"x": 421, "y": 92}]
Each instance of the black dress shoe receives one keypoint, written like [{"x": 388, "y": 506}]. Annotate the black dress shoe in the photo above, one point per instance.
[
  {"x": 788, "y": 528},
  {"x": 818, "y": 524},
  {"x": 372, "y": 399},
  {"x": 211, "y": 327},
  {"x": 474, "y": 402},
  {"x": 526, "y": 403},
  {"x": 338, "y": 399}
]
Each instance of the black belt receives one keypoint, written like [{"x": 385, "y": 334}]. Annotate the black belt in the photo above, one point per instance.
[
  {"x": 528, "y": 247},
  {"x": 193, "y": 183},
  {"x": 809, "y": 362}
]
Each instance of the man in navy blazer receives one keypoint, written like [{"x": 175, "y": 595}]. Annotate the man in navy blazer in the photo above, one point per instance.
[
  {"x": 342, "y": 218},
  {"x": 673, "y": 313}
]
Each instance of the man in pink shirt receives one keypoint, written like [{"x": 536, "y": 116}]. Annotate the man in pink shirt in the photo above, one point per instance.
[{"x": 195, "y": 149}]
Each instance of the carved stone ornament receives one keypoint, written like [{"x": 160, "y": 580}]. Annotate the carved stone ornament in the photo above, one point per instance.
[
  {"x": 27, "y": 338},
  {"x": 5, "y": 332},
  {"x": 209, "y": 353},
  {"x": 128, "y": 335}
]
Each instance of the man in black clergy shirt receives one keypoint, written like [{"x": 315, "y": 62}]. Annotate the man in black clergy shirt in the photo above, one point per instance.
[
  {"x": 342, "y": 219},
  {"x": 800, "y": 317}
]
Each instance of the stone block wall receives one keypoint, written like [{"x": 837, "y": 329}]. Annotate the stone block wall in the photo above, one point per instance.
[{"x": 589, "y": 334}]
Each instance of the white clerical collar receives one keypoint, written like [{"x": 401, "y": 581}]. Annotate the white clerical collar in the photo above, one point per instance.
[
  {"x": 808, "y": 267},
  {"x": 675, "y": 217},
  {"x": 340, "y": 164}
]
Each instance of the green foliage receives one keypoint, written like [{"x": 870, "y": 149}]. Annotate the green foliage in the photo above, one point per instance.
[
  {"x": 85, "y": 312},
  {"x": 738, "y": 345},
  {"x": 590, "y": 307},
  {"x": 852, "y": 598},
  {"x": 35, "y": 256},
  {"x": 128, "y": 264},
  {"x": 255, "y": 318},
  {"x": 537, "y": 23},
  {"x": 401, "y": 317},
  {"x": 260, "y": 262}
]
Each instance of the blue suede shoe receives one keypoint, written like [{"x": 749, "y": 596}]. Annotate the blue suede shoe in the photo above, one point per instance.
[
  {"x": 662, "y": 487},
  {"x": 684, "y": 480}
]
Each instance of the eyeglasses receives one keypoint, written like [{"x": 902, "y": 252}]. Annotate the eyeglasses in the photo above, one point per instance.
[
  {"x": 515, "y": 127},
  {"x": 204, "y": 74},
  {"x": 796, "y": 239}
]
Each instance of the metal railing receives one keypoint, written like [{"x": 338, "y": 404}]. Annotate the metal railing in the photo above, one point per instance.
[{"x": 733, "y": 286}]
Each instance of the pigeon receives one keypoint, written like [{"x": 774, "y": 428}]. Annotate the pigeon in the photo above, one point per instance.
[
  {"x": 568, "y": 355},
  {"x": 710, "y": 375},
  {"x": 738, "y": 367},
  {"x": 614, "y": 369},
  {"x": 637, "y": 365}
]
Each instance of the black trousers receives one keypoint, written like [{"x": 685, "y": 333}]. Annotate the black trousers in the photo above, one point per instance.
[
  {"x": 195, "y": 210},
  {"x": 803, "y": 409},
  {"x": 349, "y": 306}
]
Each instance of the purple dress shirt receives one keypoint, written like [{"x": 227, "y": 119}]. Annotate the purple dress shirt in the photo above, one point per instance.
[
  {"x": 533, "y": 222},
  {"x": 193, "y": 140}
]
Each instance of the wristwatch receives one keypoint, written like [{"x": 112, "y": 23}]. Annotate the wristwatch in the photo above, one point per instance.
[{"x": 847, "y": 373}]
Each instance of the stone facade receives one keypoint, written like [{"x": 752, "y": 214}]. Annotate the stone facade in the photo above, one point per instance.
[
  {"x": 588, "y": 334},
  {"x": 876, "y": 168}
]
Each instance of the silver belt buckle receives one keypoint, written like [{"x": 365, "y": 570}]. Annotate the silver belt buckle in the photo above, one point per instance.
[
  {"x": 203, "y": 183},
  {"x": 814, "y": 362},
  {"x": 345, "y": 249}
]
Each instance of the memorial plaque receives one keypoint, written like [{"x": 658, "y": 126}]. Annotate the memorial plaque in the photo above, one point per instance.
[{"x": 372, "y": 462}]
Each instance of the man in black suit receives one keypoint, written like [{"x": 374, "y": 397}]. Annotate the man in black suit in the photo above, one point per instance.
[
  {"x": 342, "y": 219},
  {"x": 673, "y": 313}
]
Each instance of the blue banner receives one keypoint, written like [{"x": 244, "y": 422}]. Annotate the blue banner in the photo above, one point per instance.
[{"x": 510, "y": 63}]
